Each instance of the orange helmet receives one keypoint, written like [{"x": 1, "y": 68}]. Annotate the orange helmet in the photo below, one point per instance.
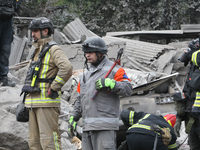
[{"x": 171, "y": 119}]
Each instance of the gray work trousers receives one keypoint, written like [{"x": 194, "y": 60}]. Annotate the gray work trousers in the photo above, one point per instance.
[{"x": 99, "y": 140}]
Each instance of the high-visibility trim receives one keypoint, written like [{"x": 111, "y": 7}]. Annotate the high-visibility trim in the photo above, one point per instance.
[
  {"x": 39, "y": 100},
  {"x": 34, "y": 77},
  {"x": 131, "y": 116},
  {"x": 37, "y": 68},
  {"x": 172, "y": 146},
  {"x": 146, "y": 116},
  {"x": 100, "y": 120},
  {"x": 198, "y": 95},
  {"x": 140, "y": 126},
  {"x": 56, "y": 141},
  {"x": 168, "y": 121},
  {"x": 196, "y": 103},
  {"x": 59, "y": 80},
  {"x": 194, "y": 57},
  {"x": 47, "y": 98},
  {"x": 33, "y": 80},
  {"x": 44, "y": 74},
  {"x": 137, "y": 125}
]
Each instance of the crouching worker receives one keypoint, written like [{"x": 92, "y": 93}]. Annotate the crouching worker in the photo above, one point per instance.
[
  {"x": 143, "y": 127},
  {"x": 49, "y": 70}
]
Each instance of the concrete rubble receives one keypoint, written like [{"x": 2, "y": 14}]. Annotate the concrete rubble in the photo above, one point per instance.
[{"x": 151, "y": 67}]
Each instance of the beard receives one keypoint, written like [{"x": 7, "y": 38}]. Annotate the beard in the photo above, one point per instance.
[{"x": 35, "y": 39}]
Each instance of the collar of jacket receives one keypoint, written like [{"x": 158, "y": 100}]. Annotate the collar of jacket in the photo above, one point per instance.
[
  {"x": 41, "y": 42},
  {"x": 38, "y": 46},
  {"x": 100, "y": 66}
]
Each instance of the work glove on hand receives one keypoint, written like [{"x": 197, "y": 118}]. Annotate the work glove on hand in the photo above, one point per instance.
[
  {"x": 177, "y": 127},
  {"x": 52, "y": 94},
  {"x": 105, "y": 82},
  {"x": 72, "y": 125},
  {"x": 166, "y": 138}
]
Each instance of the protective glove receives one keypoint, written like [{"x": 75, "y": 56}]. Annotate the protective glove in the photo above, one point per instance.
[
  {"x": 72, "y": 125},
  {"x": 166, "y": 138},
  {"x": 52, "y": 94},
  {"x": 105, "y": 82},
  {"x": 177, "y": 127}
]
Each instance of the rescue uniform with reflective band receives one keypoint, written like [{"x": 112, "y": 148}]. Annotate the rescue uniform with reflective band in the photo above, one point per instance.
[
  {"x": 102, "y": 113},
  {"x": 44, "y": 111},
  {"x": 194, "y": 134},
  {"x": 140, "y": 136},
  {"x": 196, "y": 60}
]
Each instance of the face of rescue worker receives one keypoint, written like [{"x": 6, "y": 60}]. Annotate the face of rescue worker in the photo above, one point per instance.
[
  {"x": 92, "y": 57},
  {"x": 36, "y": 34}
]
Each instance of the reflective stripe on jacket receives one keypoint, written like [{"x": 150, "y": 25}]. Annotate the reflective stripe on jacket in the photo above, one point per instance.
[
  {"x": 196, "y": 60},
  {"x": 54, "y": 64},
  {"x": 102, "y": 113},
  {"x": 196, "y": 105}
]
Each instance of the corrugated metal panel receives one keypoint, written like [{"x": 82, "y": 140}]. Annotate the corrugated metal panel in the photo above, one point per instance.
[
  {"x": 144, "y": 32},
  {"x": 138, "y": 50},
  {"x": 75, "y": 29}
]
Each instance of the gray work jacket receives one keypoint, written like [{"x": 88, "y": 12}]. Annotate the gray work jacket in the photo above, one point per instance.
[{"x": 102, "y": 113}]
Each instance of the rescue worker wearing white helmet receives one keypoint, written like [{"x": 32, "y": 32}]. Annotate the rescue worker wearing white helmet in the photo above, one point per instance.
[
  {"x": 100, "y": 116},
  {"x": 49, "y": 70}
]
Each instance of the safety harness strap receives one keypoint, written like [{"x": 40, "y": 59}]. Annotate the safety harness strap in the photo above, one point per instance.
[
  {"x": 189, "y": 125},
  {"x": 48, "y": 80},
  {"x": 32, "y": 79},
  {"x": 39, "y": 62}
]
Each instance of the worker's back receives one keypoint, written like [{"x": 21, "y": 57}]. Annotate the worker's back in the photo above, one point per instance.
[{"x": 140, "y": 135}]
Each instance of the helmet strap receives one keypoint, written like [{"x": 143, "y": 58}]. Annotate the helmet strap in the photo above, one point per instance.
[
  {"x": 42, "y": 36},
  {"x": 99, "y": 59},
  {"x": 85, "y": 64}
]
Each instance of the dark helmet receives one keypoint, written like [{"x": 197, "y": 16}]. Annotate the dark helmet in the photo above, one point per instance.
[
  {"x": 125, "y": 116},
  {"x": 42, "y": 23},
  {"x": 94, "y": 44}
]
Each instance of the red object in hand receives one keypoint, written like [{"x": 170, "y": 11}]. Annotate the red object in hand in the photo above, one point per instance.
[{"x": 49, "y": 91}]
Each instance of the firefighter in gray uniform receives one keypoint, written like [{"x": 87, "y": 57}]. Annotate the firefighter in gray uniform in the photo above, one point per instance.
[{"x": 100, "y": 116}]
